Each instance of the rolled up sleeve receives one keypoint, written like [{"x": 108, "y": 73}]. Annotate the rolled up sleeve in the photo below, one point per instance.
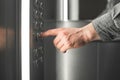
[{"x": 108, "y": 25}]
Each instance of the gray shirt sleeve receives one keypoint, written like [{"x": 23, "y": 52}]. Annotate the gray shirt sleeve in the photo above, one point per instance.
[{"x": 108, "y": 25}]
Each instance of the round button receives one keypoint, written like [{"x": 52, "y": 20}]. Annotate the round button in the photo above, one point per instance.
[
  {"x": 34, "y": 54},
  {"x": 36, "y": 25},
  {"x": 40, "y": 50},
  {"x": 41, "y": 24},
  {"x": 41, "y": 5},
  {"x": 41, "y": 14},
  {"x": 36, "y": 14},
  {"x": 36, "y": 4}
]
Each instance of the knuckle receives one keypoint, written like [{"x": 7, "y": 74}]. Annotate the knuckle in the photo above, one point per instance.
[
  {"x": 69, "y": 44},
  {"x": 64, "y": 33}
]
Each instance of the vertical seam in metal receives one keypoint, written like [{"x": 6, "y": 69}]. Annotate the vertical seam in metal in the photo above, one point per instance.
[{"x": 98, "y": 61}]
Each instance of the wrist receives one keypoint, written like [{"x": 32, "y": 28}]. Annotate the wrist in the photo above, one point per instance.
[{"x": 90, "y": 33}]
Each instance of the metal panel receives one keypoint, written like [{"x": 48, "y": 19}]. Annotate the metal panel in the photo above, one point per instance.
[
  {"x": 37, "y": 43},
  {"x": 109, "y": 60},
  {"x": 10, "y": 40}
]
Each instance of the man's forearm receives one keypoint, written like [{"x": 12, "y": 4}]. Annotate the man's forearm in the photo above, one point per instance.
[{"x": 108, "y": 25}]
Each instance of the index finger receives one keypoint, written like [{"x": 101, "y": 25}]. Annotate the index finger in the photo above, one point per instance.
[{"x": 51, "y": 32}]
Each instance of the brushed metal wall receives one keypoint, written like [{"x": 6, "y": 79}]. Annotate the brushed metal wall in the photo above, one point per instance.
[
  {"x": 90, "y": 62},
  {"x": 88, "y": 9},
  {"x": 9, "y": 40}
]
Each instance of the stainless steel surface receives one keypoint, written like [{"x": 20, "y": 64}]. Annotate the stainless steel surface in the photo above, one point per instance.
[
  {"x": 10, "y": 40},
  {"x": 76, "y": 64},
  {"x": 90, "y": 9},
  {"x": 87, "y": 9},
  {"x": 50, "y": 9},
  {"x": 74, "y": 6},
  {"x": 109, "y": 60},
  {"x": 62, "y": 10}
]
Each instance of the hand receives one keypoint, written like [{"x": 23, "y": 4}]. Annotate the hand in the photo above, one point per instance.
[{"x": 67, "y": 38}]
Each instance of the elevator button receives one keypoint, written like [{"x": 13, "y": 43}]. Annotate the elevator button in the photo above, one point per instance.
[
  {"x": 36, "y": 4},
  {"x": 36, "y": 25},
  {"x": 34, "y": 55},
  {"x": 36, "y": 36},
  {"x": 40, "y": 51},
  {"x": 37, "y": 28},
  {"x": 41, "y": 5},
  {"x": 36, "y": 14},
  {"x": 40, "y": 59},
  {"x": 41, "y": 14},
  {"x": 41, "y": 25},
  {"x": 37, "y": 54}
]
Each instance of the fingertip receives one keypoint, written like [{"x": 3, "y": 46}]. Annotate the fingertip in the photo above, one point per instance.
[
  {"x": 41, "y": 34},
  {"x": 44, "y": 34}
]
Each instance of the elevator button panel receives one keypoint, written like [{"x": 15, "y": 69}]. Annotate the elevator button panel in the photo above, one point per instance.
[{"x": 37, "y": 52}]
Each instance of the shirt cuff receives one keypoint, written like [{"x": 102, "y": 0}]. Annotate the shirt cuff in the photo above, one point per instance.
[{"x": 104, "y": 26}]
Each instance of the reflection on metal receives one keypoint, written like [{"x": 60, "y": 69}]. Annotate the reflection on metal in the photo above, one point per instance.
[
  {"x": 10, "y": 66},
  {"x": 74, "y": 9},
  {"x": 25, "y": 40},
  {"x": 2, "y": 38},
  {"x": 62, "y": 10},
  {"x": 62, "y": 67},
  {"x": 67, "y": 10}
]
